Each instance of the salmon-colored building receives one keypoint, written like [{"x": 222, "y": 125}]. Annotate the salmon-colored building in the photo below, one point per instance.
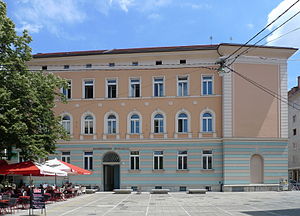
[{"x": 166, "y": 117}]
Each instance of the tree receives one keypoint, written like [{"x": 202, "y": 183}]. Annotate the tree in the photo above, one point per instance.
[{"x": 27, "y": 98}]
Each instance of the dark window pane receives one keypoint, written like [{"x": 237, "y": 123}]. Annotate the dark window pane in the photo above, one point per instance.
[
  {"x": 91, "y": 163},
  {"x": 161, "y": 163},
  {"x": 86, "y": 162},
  {"x": 185, "y": 162},
  {"x": 132, "y": 163},
  {"x": 137, "y": 162},
  {"x": 204, "y": 163},
  {"x": 179, "y": 162},
  {"x": 209, "y": 162},
  {"x": 155, "y": 162}
]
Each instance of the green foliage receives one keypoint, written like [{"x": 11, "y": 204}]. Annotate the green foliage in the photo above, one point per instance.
[{"x": 27, "y": 120}]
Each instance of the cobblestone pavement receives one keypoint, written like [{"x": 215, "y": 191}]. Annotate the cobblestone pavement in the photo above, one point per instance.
[{"x": 175, "y": 204}]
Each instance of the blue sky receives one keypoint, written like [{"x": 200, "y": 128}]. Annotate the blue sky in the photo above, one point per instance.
[{"x": 72, "y": 25}]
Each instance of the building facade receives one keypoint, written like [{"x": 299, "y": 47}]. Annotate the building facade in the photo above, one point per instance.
[
  {"x": 166, "y": 117},
  {"x": 294, "y": 130}
]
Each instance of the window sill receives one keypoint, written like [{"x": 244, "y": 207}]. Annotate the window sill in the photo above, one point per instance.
[
  {"x": 207, "y": 170},
  {"x": 158, "y": 135},
  {"x": 182, "y": 170},
  {"x": 207, "y": 134},
  {"x": 134, "y": 171},
  {"x": 111, "y": 136},
  {"x": 158, "y": 170},
  {"x": 183, "y": 135}
]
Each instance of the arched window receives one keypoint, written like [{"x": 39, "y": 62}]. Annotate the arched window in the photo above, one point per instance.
[
  {"x": 182, "y": 123},
  {"x": 66, "y": 123},
  {"x": 88, "y": 124},
  {"x": 135, "y": 124},
  {"x": 207, "y": 122},
  {"x": 111, "y": 124},
  {"x": 158, "y": 123}
]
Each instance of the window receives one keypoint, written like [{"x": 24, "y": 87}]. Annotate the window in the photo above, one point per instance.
[
  {"x": 67, "y": 91},
  {"x": 111, "y": 88},
  {"x": 182, "y": 61},
  {"x": 182, "y": 160},
  {"x": 158, "y": 87},
  {"x": 207, "y": 159},
  {"x": 158, "y": 123},
  {"x": 207, "y": 122},
  {"x": 182, "y": 123},
  {"x": 66, "y": 123},
  {"x": 158, "y": 160},
  {"x": 88, "y": 124},
  {"x": 158, "y": 62},
  {"x": 294, "y": 118},
  {"x": 207, "y": 85},
  {"x": 135, "y": 63},
  {"x": 88, "y": 160},
  {"x": 88, "y": 65},
  {"x": 135, "y": 88},
  {"x": 294, "y": 132},
  {"x": 134, "y": 160},
  {"x": 88, "y": 88},
  {"x": 111, "y": 124},
  {"x": 182, "y": 86},
  {"x": 135, "y": 124},
  {"x": 66, "y": 157},
  {"x": 112, "y": 64},
  {"x": 44, "y": 67},
  {"x": 66, "y": 66}
]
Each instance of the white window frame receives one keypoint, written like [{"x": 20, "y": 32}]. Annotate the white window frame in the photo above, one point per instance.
[
  {"x": 71, "y": 121},
  {"x": 66, "y": 157},
  {"x": 153, "y": 124},
  {"x": 213, "y": 120},
  {"x": 83, "y": 87},
  {"x": 90, "y": 164},
  {"x": 106, "y": 87},
  {"x": 140, "y": 84},
  {"x": 188, "y": 121},
  {"x": 129, "y": 122},
  {"x": 160, "y": 157},
  {"x": 65, "y": 92},
  {"x": 181, "y": 81},
  {"x": 134, "y": 156},
  {"x": 179, "y": 154},
  {"x": 212, "y": 83},
  {"x": 158, "y": 82},
  {"x": 205, "y": 155},
  {"x": 106, "y": 122},
  {"x": 83, "y": 123}
]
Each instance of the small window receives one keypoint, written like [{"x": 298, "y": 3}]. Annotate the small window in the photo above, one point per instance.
[
  {"x": 158, "y": 187},
  {"x": 135, "y": 124},
  {"x": 207, "y": 159},
  {"x": 182, "y": 160},
  {"x": 88, "y": 124},
  {"x": 111, "y": 85},
  {"x": 158, "y": 87},
  {"x": 207, "y": 122},
  {"x": 135, "y": 87},
  {"x": 66, "y": 157},
  {"x": 88, "y": 65},
  {"x": 158, "y": 62},
  {"x": 182, "y": 61},
  {"x": 66, "y": 66},
  {"x": 182, "y": 86},
  {"x": 182, "y": 123},
  {"x": 44, "y": 67},
  {"x": 134, "y": 160},
  {"x": 207, "y": 85},
  {"x": 111, "y": 64},
  {"x": 158, "y": 123},
  {"x": 66, "y": 123},
  {"x": 111, "y": 124},
  {"x": 158, "y": 160},
  {"x": 294, "y": 132},
  {"x": 134, "y": 188},
  {"x": 182, "y": 188},
  {"x": 88, "y": 160},
  {"x": 88, "y": 89},
  {"x": 135, "y": 63}
]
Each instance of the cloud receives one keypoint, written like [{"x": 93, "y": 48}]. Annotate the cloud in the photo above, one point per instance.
[
  {"x": 36, "y": 15},
  {"x": 250, "y": 26},
  {"x": 278, "y": 38}
]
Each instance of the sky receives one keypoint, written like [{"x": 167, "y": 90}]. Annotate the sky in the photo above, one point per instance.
[{"x": 74, "y": 25}]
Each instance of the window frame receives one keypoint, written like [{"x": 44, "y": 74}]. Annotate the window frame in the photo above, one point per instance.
[
  {"x": 70, "y": 122},
  {"x": 202, "y": 84},
  {"x": 213, "y": 121},
  {"x": 131, "y": 94},
  {"x": 187, "y": 120},
  {"x": 181, "y": 82},
  {"x": 84, "y": 89},
  {"x": 159, "y": 123},
  {"x": 136, "y": 162},
  {"x": 106, "y": 122},
  {"x": 68, "y": 91},
  {"x": 160, "y": 165},
  {"x": 66, "y": 156},
  {"x": 158, "y": 82},
  {"x": 182, "y": 155},
  {"x": 107, "y": 85},
  {"x": 207, "y": 155},
  {"x": 83, "y": 123},
  {"x": 90, "y": 160}
]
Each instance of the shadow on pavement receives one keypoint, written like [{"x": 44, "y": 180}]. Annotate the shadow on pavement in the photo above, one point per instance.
[{"x": 283, "y": 212}]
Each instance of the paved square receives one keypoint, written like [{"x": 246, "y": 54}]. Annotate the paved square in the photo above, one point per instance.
[{"x": 177, "y": 204}]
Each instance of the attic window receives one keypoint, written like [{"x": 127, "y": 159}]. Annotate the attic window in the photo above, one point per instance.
[
  {"x": 112, "y": 64},
  {"x": 88, "y": 65},
  {"x": 182, "y": 61},
  {"x": 66, "y": 66},
  {"x": 135, "y": 63},
  {"x": 44, "y": 67},
  {"x": 158, "y": 62}
]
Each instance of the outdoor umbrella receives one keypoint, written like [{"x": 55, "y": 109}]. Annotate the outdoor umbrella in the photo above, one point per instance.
[
  {"x": 30, "y": 168},
  {"x": 67, "y": 167}
]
